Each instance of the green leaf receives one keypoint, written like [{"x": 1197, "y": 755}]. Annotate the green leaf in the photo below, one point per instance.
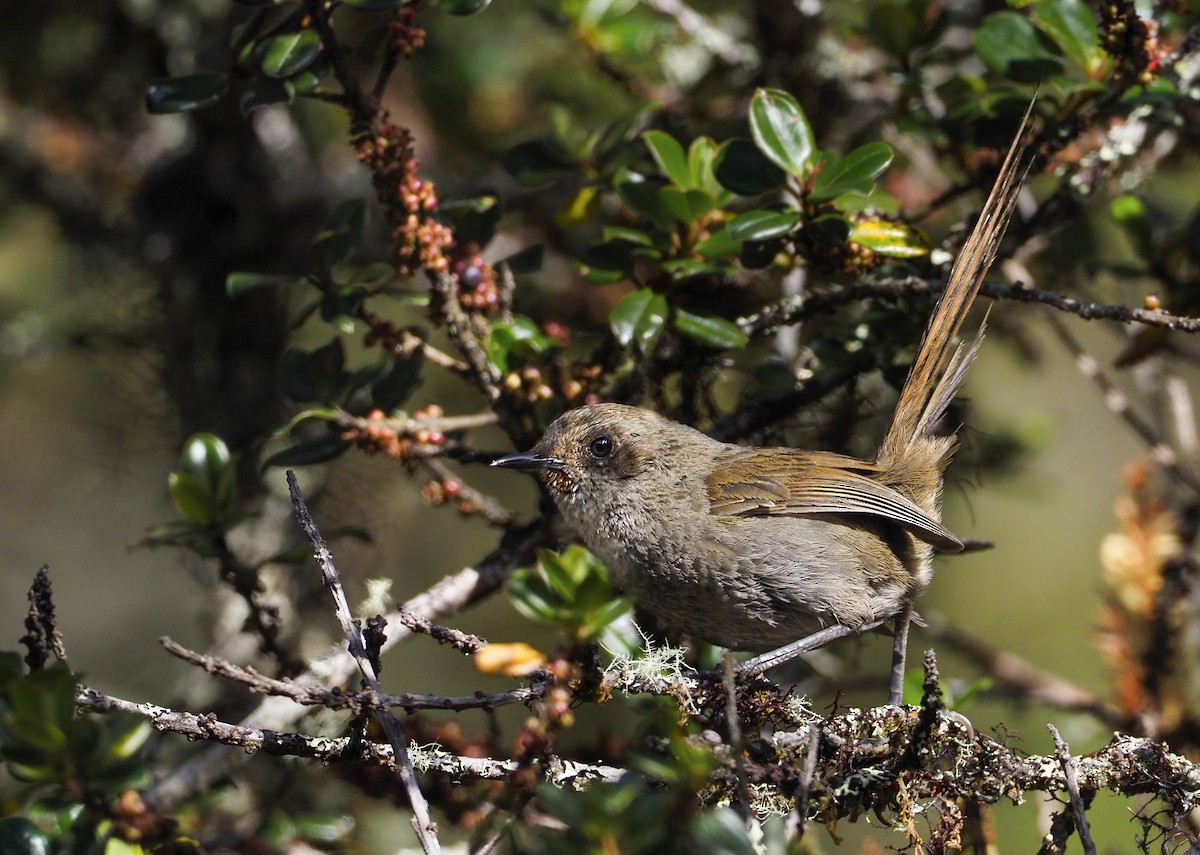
[
  {"x": 474, "y": 220},
  {"x": 519, "y": 337},
  {"x": 205, "y": 456},
  {"x": 290, "y": 53},
  {"x": 240, "y": 282},
  {"x": 623, "y": 233},
  {"x": 898, "y": 26},
  {"x": 1073, "y": 27},
  {"x": 398, "y": 383},
  {"x": 854, "y": 173},
  {"x": 611, "y": 260},
  {"x": 684, "y": 206},
  {"x": 829, "y": 229},
  {"x": 463, "y": 7},
  {"x": 190, "y": 92},
  {"x": 898, "y": 240},
  {"x": 310, "y": 452},
  {"x": 713, "y": 331},
  {"x": 374, "y": 5},
  {"x": 1009, "y": 44},
  {"x": 533, "y": 598},
  {"x": 745, "y": 170},
  {"x": 191, "y": 498},
  {"x": 639, "y": 318},
  {"x": 719, "y": 244},
  {"x": 535, "y": 163},
  {"x": 763, "y": 225},
  {"x": 669, "y": 155},
  {"x": 781, "y": 130}
]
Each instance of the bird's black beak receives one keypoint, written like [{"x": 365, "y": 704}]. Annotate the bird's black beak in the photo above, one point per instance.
[{"x": 528, "y": 461}]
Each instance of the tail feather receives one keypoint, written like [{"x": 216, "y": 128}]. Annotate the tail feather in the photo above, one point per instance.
[{"x": 923, "y": 398}]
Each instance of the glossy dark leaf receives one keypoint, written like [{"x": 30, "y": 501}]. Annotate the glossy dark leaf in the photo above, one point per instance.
[
  {"x": 534, "y": 163},
  {"x": 19, "y": 836},
  {"x": 830, "y": 229},
  {"x": 639, "y": 318},
  {"x": 1009, "y": 44},
  {"x": 854, "y": 173},
  {"x": 181, "y": 94},
  {"x": 781, "y": 130},
  {"x": 291, "y": 53},
  {"x": 310, "y": 452},
  {"x": 713, "y": 331},
  {"x": 374, "y": 5},
  {"x": 463, "y": 7},
  {"x": 763, "y": 225},
  {"x": 642, "y": 197},
  {"x": 745, "y": 170},
  {"x": 314, "y": 376},
  {"x": 401, "y": 380},
  {"x": 340, "y": 236}
]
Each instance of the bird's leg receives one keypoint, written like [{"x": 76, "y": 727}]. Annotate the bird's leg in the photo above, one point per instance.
[
  {"x": 765, "y": 661},
  {"x": 899, "y": 652}
]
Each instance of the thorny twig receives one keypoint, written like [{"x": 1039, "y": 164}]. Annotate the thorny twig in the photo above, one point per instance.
[{"x": 424, "y": 826}]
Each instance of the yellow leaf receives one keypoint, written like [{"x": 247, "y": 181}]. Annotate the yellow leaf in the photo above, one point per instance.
[{"x": 512, "y": 660}]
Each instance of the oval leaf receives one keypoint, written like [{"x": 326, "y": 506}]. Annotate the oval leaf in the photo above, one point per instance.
[
  {"x": 669, "y": 156},
  {"x": 745, "y": 170},
  {"x": 639, "y": 318},
  {"x": 854, "y": 173},
  {"x": 684, "y": 206},
  {"x": 781, "y": 130},
  {"x": 190, "y": 92},
  {"x": 762, "y": 225},
  {"x": 290, "y": 53},
  {"x": 1008, "y": 44},
  {"x": 897, "y": 240},
  {"x": 713, "y": 331}
]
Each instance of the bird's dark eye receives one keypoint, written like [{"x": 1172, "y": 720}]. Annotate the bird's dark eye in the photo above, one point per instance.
[{"x": 601, "y": 446}]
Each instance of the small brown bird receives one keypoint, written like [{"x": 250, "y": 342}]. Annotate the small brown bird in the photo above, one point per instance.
[{"x": 753, "y": 548}]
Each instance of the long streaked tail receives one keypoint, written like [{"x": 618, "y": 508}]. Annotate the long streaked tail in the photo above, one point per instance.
[{"x": 923, "y": 398}]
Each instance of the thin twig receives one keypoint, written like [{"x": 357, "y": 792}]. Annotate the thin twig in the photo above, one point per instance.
[
  {"x": 424, "y": 826},
  {"x": 1161, "y": 452},
  {"x": 488, "y": 508},
  {"x": 461, "y": 641},
  {"x": 1071, "y": 773},
  {"x": 336, "y": 699},
  {"x": 801, "y": 307},
  {"x": 450, "y": 594},
  {"x": 326, "y": 749},
  {"x": 799, "y": 816}
]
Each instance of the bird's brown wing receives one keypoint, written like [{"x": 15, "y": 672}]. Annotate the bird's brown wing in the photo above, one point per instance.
[{"x": 809, "y": 483}]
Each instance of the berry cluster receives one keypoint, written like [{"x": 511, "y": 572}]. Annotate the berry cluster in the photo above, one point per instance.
[
  {"x": 407, "y": 37},
  {"x": 398, "y": 440},
  {"x": 1128, "y": 39},
  {"x": 409, "y": 200},
  {"x": 477, "y": 288}
]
